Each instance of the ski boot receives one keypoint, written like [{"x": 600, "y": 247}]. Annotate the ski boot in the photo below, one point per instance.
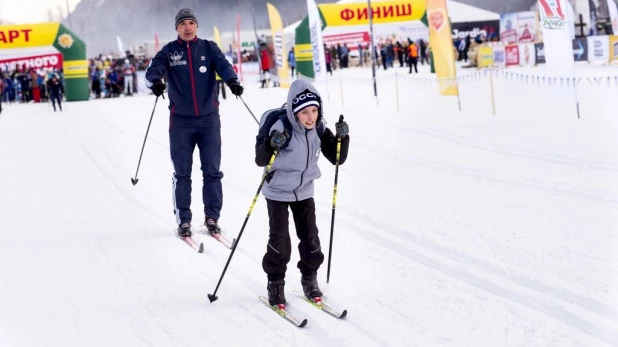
[
  {"x": 212, "y": 226},
  {"x": 310, "y": 287},
  {"x": 184, "y": 230},
  {"x": 276, "y": 295}
]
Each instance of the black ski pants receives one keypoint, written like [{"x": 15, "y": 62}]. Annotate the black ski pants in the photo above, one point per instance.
[{"x": 279, "y": 245}]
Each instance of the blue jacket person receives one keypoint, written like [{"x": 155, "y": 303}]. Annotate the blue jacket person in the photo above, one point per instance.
[{"x": 189, "y": 64}]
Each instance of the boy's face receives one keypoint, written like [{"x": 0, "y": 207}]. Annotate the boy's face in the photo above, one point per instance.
[{"x": 308, "y": 116}]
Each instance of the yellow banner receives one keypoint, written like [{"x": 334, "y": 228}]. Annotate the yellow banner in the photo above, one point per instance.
[
  {"x": 31, "y": 35},
  {"x": 485, "y": 56},
  {"x": 383, "y": 12},
  {"x": 281, "y": 57},
  {"x": 613, "y": 48},
  {"x": 75, "y": 68},
  {"x": 441, "y": 43},
  {"x": 303, "y": 52},
  {"x": 217, "y": 36}
]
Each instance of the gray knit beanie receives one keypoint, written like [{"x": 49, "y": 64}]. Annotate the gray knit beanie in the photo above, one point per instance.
[{"x": 183, "y": 14}]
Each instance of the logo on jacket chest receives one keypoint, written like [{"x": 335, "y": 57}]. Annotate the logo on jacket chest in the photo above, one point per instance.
[{"x": 175, "y": 59}]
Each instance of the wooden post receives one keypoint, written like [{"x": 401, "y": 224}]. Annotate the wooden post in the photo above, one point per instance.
[
  {"x": 341, "y": 87},
  {"x": 491, "y": 87},
  {"x": 397, "y": 89}
]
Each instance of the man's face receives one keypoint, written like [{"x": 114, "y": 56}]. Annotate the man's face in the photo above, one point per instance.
[{"x": 187, "y": 29}]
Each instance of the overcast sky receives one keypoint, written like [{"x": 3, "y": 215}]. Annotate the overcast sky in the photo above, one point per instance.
[{"x": 32, "y": 11}]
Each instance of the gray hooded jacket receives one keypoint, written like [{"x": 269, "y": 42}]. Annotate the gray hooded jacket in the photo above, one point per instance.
[{"x": 296, "y": 166}]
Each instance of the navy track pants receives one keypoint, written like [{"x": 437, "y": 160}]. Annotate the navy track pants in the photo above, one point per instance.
[{"x": 185, "y": 133}]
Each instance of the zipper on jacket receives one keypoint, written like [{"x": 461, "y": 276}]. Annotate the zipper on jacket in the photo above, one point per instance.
[
  {"x": 302, "y": 175},
  {"x": 192, "y": 80}
]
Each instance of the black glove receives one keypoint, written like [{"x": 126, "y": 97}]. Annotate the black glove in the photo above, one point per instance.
[
  {"x": 235, "y": 86},
  {"x": 157, "y": 88},
  {"x": 278, "y": 139},
  {"x": 342, "y": 128}
]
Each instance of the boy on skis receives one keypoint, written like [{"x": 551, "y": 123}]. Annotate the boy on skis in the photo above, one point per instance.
[{"x": 290, "y": 184}]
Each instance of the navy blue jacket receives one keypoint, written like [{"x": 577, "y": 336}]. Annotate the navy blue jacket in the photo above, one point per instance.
[{"x": 190, "y": 68}]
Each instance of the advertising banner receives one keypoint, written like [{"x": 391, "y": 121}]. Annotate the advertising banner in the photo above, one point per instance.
[
  {"x": 485, "y": 56},
  {"x": 383, "y": 12},
  {"x": 613, "y": 48},
  {"x": 281, "y": 58},
  {"x": 580, "y": 49},
  {"x": 518, "y": 27},
  {"x": 527, "y": 56},
  {"x": 488, "y": 29},
  {"x": 499, "y": 57},
  {"x": 539, "y": 53},
  {"x": 351, "y": 39},
  {"x": 441, "y": 41},
  {"x": 598, "y": 49},
  {"x": 512, "y": 55},
  {"x": 46, "y": 61}
]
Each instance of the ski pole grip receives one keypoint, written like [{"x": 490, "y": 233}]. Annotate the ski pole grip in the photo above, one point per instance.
[{"x": 340, "y": 118}]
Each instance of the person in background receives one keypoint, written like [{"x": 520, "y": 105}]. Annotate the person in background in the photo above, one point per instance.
[
  {"x": 56, "y": 90},
  {"x": 128, "y": 71},
  {"x": 292, "y": 61}
]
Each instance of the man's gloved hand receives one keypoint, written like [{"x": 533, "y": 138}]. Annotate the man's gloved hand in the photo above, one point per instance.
[
  {"x": 278, "y": 139},
  {"x": 235, "y": 86},
  {"x": 157, "y": 88},
  {"x": 342, "y": 129}
]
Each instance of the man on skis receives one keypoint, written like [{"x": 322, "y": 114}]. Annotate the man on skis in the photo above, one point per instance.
[{"x": 190, "y": 64}]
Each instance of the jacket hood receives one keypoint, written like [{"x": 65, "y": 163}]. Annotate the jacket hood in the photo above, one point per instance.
[{"x": 297, "y": 87}]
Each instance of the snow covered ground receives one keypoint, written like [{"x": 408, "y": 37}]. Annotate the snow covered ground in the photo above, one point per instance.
[{"x": 453, "y": 228}]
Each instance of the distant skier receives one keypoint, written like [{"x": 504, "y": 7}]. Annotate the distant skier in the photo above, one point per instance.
[
  {"x": 290, "y": 185},
  {"x": 56, "y": 90},
  {"x": 189, "y": 64},
  {"x": 128, "y": 71}
]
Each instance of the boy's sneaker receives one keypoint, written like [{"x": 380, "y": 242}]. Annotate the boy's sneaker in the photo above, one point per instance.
[
  {"x": 212, "y": 226},
  {"x": 276, "y": 294},
  {"x": 184, "y": 230},
  {"x": 310, "y": 286}
]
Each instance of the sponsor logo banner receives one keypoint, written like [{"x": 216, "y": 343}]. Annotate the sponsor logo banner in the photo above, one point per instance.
[
  {"x": 527, "y": 57},
  {"x": 489, "y": 29},
  {"x": 539, "y": 53},
  {"x": 53, "y": 60},
  {"x": 512, "y": 55},
  {"x": 598, "y": 49},
  {"x": 351, "y": 39},
  {"x": 580, "y": 49}
]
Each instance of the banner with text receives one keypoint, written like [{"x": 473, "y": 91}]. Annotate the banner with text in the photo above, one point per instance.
[
  {"x": 489, "y": 29},
  {"x": 52, "y": 60},
  {"x": 598, "y": 49},
  {"x": 383, "y": 12}
]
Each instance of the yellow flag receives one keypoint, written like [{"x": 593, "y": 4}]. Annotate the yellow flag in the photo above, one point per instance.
[
  {"x": 281, "y": 59},
  {"x": 217, "y": 36},
  {"x": 441, "y": 43}
]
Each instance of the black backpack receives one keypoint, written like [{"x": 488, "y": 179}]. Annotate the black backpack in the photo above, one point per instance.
[{"x": 270, "y": 117}]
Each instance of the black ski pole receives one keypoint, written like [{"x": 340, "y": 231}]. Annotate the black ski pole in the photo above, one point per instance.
[
  {"x": 248, "y": 109},
  {"x": 212, "y": 297},
  {"x": 332, "y": 220},
  {"x": 134, "y": 180}
]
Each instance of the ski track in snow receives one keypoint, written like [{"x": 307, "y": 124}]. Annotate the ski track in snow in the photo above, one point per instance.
[{"x": 408, "y": 269}]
